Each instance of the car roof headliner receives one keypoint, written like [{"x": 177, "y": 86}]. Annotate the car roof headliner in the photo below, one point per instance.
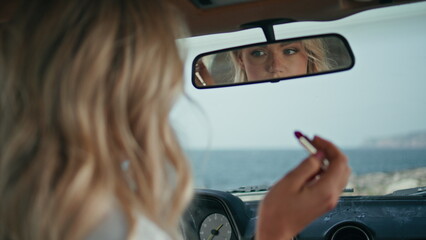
[
  {"x": 229, "y": 18},
  {"x": 219, "y": 19}
]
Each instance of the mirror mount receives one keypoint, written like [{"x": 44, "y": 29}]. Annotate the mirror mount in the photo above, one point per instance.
[{"x": 267, "y": 27}]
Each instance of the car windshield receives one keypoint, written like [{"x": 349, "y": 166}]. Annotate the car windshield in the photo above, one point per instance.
[{"x": 243, "y": 136}]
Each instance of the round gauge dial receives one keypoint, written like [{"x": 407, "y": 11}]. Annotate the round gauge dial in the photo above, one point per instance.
[{"x": 215, "y": 226}]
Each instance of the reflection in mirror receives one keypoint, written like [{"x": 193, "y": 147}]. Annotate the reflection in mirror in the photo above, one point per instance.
[{"x": 272, "y": 62}]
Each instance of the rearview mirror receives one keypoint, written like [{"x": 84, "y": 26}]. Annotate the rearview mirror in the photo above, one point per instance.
[{"x": 272, "y": 62}]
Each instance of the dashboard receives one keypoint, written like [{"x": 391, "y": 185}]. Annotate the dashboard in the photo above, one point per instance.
[
  {"x": 218, "y": 215},
  {"x": 222, "y": 215}
]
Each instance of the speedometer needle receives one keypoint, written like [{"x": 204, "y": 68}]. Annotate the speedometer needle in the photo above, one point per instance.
[{"x": 215, "y": 232}]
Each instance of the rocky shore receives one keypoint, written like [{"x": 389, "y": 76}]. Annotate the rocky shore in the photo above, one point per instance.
[{"x": 386, "y": 183}]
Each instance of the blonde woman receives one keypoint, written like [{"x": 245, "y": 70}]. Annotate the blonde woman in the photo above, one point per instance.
[
  {"x": 280, "y": 60},
  {"x": 84, "y": 129},
  {"x": 86, "y": 148}
]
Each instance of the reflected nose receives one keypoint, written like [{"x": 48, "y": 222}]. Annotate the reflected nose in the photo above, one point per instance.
[{"x": 276, "y": 63}]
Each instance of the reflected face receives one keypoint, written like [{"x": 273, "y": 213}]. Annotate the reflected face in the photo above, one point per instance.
[{"x": 274, "y": 61}]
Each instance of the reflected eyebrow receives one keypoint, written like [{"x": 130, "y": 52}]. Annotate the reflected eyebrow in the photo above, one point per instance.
[
  {"x": 256, "y": 48},
  {"x": 288, "y": 43},
  {"x": 260, "y": 46}
]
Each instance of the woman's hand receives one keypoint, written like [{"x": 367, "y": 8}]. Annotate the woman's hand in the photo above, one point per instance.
[
  {"x": 301, "y": 197},
  {"x": 202, "y": 75}
]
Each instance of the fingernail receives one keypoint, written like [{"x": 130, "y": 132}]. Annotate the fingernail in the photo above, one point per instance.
[{"x": 319, "y": 155}]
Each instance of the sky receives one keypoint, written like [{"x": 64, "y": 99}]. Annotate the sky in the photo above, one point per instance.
[{"x": 382, "y": 95}]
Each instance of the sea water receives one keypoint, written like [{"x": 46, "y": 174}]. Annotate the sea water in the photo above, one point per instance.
[{"x": 230, "y": 169}]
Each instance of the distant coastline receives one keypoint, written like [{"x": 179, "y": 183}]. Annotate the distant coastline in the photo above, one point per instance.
[
  {"x": 415, "y": 140},
  {"x": 374, "y": 170}
]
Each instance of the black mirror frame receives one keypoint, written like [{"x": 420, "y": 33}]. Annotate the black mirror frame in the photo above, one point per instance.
[{"x": 345, "y": 42}]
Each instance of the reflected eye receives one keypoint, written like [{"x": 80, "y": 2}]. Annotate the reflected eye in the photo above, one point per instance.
[
  {"x": 290, "y": 51},
  {"x": 257, "y": 53}
]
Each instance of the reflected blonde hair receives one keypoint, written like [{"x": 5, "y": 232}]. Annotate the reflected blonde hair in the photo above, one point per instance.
[
  {"x": 315, "y": 49},
  {"x": 86, "y": 85}
]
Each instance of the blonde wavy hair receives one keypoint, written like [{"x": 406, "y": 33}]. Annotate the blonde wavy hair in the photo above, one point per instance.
[
  {"x": 85, "y": 86},
  {"x": 315, "y": 48}
]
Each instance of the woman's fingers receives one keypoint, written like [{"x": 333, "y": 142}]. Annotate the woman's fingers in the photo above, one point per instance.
[
  {"x": 327, "y": 147},
  {"x": 297, "y": 199},
  {"x": 337, "y": 174},
  {"x": 305, "y": 171}
]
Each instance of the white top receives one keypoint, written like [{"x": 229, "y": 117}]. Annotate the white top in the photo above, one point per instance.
[{"x": 114, "y": 227}]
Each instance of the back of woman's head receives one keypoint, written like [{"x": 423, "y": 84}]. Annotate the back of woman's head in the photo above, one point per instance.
[{"x": 85, "y": 86}]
